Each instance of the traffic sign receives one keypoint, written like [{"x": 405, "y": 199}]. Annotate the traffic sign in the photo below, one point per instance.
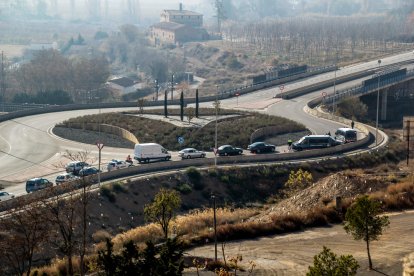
[
  {"x": 281, "y": 87},
  {"x": 237, "y": 94},
  {"x": 100, "y": 145},
  {"x": 215, "y": 151},
  {"x": 180, "y": 140},
  {"x": 324, "y": 94}
]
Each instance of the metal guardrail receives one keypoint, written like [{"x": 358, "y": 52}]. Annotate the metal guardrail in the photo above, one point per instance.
[{"x": 360, "y": 90}]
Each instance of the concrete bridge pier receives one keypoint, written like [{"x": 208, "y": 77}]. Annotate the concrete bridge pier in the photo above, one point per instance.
[{"x": 384, "y": 101}]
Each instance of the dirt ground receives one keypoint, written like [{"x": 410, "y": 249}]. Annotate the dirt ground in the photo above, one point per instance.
[{"x": 291, "y": 254}]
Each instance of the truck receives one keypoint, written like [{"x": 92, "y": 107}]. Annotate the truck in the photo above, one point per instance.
[{"x": 146, "y": 152}]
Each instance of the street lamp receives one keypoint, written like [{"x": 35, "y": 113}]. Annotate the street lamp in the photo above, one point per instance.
[
  {"x": 378, "y": 95},
  {"x": 215, "y": 133},
  {"x": 213, "y": 197},
  {"x": 156, "y": 89},
  {"x": 334, "y": 93},
  {"x": 172, "y": 87}
]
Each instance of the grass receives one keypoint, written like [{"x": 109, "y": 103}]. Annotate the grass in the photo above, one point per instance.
[{"x": 235, "y": 131}]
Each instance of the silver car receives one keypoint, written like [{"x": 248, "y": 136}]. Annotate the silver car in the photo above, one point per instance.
[
  {"x": 6, "y": 196},
  {"x": 189, "y": 153}
]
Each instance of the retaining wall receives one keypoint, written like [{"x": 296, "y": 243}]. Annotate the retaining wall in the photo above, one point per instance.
[{"x": 118, "y": 131}]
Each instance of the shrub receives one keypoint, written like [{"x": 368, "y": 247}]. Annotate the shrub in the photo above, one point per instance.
[
  {"x": 184, "y": 188},
  {"x": 117, "y": 187},
  {"x": 193, "y": 174},
  {"x": 108, "y": 193}
]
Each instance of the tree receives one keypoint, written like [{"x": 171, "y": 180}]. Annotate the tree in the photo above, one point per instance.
[
  {"x": 162, "y": 209},
  {"x": 165, "y": 104},
  {"x": 22, "y": 232},
  {"x": 299, "y": 179},
  {"x": 182, "y": 106},
  {"x": 197, "y": 104},
  {"x": 190, "y": 114},
  {"x": 166, "y": 259},
  {"x": 353, "y": 108},
  {"x": 328, "y": 263},
  {"x": 141, "y": 104},
  {"x": 362, "y": 221}
]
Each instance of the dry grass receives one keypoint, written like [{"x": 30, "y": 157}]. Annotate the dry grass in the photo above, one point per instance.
[{"x": 196, "y": 223}]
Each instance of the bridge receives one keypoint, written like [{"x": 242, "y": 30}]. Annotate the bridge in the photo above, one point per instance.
[{"x": 399, "y": 82}]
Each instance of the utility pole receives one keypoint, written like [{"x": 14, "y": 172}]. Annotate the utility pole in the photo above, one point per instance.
[
  {"x": 213, "y": 197},
  {"x": 156, "y": 89},
  {"x": 172, "y": 87},
  {"x": 378, "y": 96},
  {"x": 216, "y": 106},
  {"x": 3, "y": 81}
]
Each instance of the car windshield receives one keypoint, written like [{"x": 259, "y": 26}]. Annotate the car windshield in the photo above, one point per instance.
[{"x": 301, "y": 140}]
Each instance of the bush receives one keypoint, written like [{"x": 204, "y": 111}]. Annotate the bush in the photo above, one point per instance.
[
  {"x": 117, "y": 187},
  {"x": 193, "y": 174},
  {"x": 184, "y": 188},
  {"x": 108, "y": 193}
]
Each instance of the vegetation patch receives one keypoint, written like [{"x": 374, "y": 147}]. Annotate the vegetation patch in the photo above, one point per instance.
[{"x": 234, "y": 131}]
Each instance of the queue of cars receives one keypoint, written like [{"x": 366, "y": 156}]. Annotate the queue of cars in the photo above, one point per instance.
[{"x": 151, "y": 151}]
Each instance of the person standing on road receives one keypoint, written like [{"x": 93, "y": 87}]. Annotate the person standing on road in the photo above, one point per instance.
[
  {"x": 290, "y": 144},
  {"x": 352, "y": 124}
]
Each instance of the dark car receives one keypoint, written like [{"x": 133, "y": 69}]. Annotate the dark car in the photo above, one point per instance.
[
  {"x": 229, "y": 150},
  {"x": 88, "y": 171},
  {"x": 36, "y": 184},
  {"x": 260, "y": 147}
]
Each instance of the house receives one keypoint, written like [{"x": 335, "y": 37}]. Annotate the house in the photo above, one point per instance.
[
  {"x": 189, "y": 18},
  {"x": 177, "y": 27},
  {"x": 124, "y": 85}
]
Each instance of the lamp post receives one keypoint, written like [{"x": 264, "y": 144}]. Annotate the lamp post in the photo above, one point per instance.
[
  {"x": 213, "y": 197},
  {"x": 216, "y": 103},
  {"x": 378, "y": 95},
  {"x": 334, "y": 93},
  {"x": 172, "y": 87},
  {"x": 100, "y": 146},
  {"x": 156, "y": 89}
]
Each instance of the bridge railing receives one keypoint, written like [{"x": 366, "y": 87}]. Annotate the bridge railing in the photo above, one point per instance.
[{"x": 360, "y": 89}]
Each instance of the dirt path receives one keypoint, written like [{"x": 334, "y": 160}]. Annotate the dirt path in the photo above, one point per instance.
[{"x": 291, "y": 254}]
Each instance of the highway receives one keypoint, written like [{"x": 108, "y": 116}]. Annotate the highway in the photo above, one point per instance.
[{"x": 33, "y": 151}]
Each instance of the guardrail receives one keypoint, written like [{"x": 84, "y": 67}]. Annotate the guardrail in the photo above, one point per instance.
[
  {"x": 322, "y": 85},
  {"x": 360, "y": 90}
]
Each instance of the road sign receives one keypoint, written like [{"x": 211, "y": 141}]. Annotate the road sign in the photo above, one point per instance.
[
  {"x": 180, "y": 140},
  {"x": 324, "y": 94},
  {"x": 215, "y": 151},
  {"x": 237, "y": 94},
  {"x": 100, "y": 145},
  {"x": 281, "y": 87}
]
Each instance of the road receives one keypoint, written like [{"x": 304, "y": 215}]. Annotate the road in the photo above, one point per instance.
[
  {"x": 291, "y": 254},
  {"x": 33, "y": 151}
]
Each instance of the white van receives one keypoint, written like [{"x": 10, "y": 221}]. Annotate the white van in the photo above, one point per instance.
[{"x": 150, "y": 151}]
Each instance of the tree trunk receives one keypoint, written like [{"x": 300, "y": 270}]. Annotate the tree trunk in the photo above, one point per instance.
[{"x": 369, "y": 255}]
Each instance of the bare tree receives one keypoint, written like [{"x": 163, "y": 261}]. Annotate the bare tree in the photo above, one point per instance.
[{"x": 22, "y": 231}]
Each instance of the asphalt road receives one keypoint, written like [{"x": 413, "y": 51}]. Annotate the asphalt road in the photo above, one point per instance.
[
  {"x": 291, "y": 254},
  {"x": 33, "y": 151}
]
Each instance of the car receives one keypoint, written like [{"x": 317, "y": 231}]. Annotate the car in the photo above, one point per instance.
[
  {"x": 315, "y": 142},
  {"x": 36, "y": 184},
  {"x": 189, "y": 153},
  {"x": 229, "y": 150},
  {"x": 6, "y": 196},
  {"x": 75, "y": 166},
  {"x": 117, "y": 164},
  {"x": 347, "y": 135},
  {"x": 260, "y": 147},
  {"x": 65, "y": 178},
  {"x": 86, "y": 171}
]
